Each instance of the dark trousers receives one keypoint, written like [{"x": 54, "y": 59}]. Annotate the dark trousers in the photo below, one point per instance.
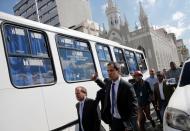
[
  {"x": 157, "y": 111},
  {"x": 162, "y": 107},
  {"x": 143, "y": 113},
  {"x": 117, "y": 125},
  {"x": 134, "y": 123}
]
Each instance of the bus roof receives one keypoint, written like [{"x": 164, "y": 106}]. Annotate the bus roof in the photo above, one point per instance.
[{"x": 60, "y": 30}]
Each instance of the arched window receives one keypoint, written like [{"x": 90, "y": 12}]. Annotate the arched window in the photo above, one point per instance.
[
  {"x": 112, "y": 22},
  {"x": 116, "y": 20},
  {"x": 142, "y": 49}
]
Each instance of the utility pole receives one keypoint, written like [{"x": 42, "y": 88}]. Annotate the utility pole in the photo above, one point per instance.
[{"x": 37, "y": 13}]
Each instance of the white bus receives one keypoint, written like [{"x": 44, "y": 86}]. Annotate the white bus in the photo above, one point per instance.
[{"x": 40, "y": 67}]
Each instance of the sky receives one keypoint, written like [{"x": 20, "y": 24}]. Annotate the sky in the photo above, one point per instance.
[{"x": 173, "y": 15}]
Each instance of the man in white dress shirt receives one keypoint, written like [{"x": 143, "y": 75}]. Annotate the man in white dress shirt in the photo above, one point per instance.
[{"x": 120, "y": 106}]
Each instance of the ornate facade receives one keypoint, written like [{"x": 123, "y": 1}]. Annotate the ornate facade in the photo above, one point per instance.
[{"x": 158, "y": 45}]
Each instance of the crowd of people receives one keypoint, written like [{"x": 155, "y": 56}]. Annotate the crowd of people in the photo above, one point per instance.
[{"x": 125, "y": 105}]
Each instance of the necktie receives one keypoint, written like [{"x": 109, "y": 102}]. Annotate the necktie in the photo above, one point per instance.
[
  {"x": 81, "y": 111},
  {"x": 113, "y": 98}
]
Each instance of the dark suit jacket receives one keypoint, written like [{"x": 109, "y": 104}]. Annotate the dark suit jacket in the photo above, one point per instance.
[
  {"x": 126, "y": 101},
  {"x": 168, "y": 91},
  {"x": 146, "y": 91},
  {"x": 91, "y": 117}
]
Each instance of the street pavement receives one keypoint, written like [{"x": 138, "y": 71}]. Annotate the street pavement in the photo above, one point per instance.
[{"x": 148, "y": 125}]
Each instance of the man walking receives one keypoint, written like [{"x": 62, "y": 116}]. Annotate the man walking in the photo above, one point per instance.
[
  {"x": 144, "y": 96},
  {"x": 152, "y": 80},
  {"x": 162, "y": 92},
  {"x": 120, "y": 107},
  {"x": 88, "y": 112},
  {"x": 173, "y": 72}
]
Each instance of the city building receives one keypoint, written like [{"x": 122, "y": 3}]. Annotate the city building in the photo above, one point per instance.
[
  {"x": 158, "y": 46},
  {"x": 182, "y": 50},
  {"x": 88, "y": 27},
  {"x": 61, "y": 13}
]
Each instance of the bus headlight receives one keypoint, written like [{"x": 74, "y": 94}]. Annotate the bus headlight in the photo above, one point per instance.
[{"x": 177, "y": 119}]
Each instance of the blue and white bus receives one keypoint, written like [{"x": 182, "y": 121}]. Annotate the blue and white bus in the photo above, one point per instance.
[{"x": 40, "y": 67}]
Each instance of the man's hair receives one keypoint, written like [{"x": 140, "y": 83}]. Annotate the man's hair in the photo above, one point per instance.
[
  {"x": 152, "y": 69},
  {"x": 172, "y": 62},
  {"x": 159, "y": 73},
  {"x": 115, "y": 65},
  {"x": 83, "y": 89}
]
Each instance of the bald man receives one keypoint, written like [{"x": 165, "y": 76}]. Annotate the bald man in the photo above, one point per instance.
[{"x": 152, "y": 80}]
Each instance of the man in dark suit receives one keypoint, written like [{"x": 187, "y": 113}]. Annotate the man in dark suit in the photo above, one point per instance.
[
  {"x": 120, "y": 106},
  {"x": 162, "y": 92},
  {"x": 88, "y": 111}
]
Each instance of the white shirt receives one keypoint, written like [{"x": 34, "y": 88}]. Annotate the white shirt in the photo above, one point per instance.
[
  {"x": 116, "y": 113},
  {"x": 161, "y": 91},
  {"x": 152, "y": 81}
]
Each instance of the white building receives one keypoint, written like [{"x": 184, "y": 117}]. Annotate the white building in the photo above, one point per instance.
[
  {"x": 159, "y": 46},
  {"x": 183, "y": 52}
]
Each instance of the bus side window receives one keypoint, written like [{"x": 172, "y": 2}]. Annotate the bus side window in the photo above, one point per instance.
[
  {"x": 16, "y": 40},
  {"x": 131, "y": 60},
  {"x": 28, "y": 59},
  {"x": 141, "y": 62},
  {"x": 121, "y": 60},
  {"x": 38, "y": 44},
  {"x": 104, "y": 58},
  {"x": 76, "y": 59}
]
